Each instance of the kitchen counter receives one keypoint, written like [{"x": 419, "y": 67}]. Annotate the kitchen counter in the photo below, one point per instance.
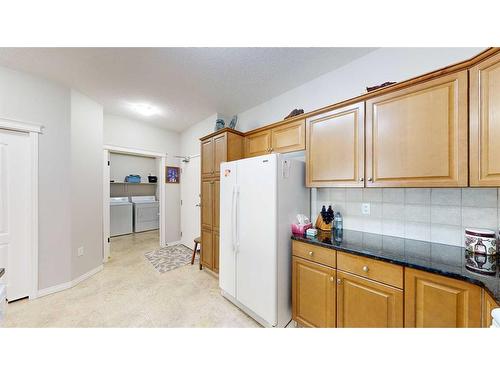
[
  {"x": 2, "y": 271},
  {"x": 446, "y": 260}
]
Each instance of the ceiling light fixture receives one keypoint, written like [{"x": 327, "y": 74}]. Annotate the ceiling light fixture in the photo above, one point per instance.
[{"x": 145, "y": 109}]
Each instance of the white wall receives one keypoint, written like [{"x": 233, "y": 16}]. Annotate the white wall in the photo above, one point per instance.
[
  {"x": 190, "y": 178},
  {"x": 123, "y": 165},
  {"x": 27, "y": 98},
  {"x": 124, "y": 132},
  {"x": 86, "y": 183},
  {"x": 381, "y": 65}
]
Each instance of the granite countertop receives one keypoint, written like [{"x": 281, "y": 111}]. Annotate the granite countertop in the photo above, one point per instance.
[
  {"x": 2, "y": 271},
  {"x": 446, "y": 260}
]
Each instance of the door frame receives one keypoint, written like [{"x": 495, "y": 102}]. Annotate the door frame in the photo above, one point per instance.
[
  {"x": 161, "y": 160},
  {"x": 33, "y": 130}
]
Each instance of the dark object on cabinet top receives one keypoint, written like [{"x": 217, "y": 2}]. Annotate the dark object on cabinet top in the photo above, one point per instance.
[
  {"x": 451, "y": 261},
  {"x": 373, "y": 88},
  {"x": 2, "y": 271},
  {"x": 294, "y": 113}
]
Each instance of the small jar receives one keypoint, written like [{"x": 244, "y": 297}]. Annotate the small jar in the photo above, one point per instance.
[{"x": 481, "y": 241}]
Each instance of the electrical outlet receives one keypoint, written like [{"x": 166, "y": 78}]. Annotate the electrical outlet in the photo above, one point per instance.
[
  {"x": 365, "y": 208},
  {"x": 81, "y": 251}
]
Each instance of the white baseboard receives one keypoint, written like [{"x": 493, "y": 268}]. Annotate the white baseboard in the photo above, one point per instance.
[
  {"x": 173, "y": 243},
  {"x": 69, "y": 284}
]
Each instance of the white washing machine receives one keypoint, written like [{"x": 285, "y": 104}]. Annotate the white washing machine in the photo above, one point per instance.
[
  {"x": 146, "y": 213},
  {"x": 120, "y": 216}
]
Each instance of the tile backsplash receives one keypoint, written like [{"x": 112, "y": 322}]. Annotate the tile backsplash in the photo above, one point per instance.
[{"x": 437, "y": 215}]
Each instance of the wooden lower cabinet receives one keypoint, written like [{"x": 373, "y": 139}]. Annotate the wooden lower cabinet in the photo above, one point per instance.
[
  {"x": 215, "y": 245},
  {"x": 363, "y": 303},
  {"x": 488, "y": 305},
  {"x": 433, "y": 301},
  {"x": 207, "y": 248},
  {"x": 313, "y": 294}
]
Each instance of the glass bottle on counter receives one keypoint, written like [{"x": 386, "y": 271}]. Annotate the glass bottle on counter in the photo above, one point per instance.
[{"x": 337, "y": 221}]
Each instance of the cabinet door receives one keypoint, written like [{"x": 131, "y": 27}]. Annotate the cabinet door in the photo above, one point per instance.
[
  {"x": 220, "y": 152},
  {"x": 336, "y": 149},
  {"x": 207, "y": 158},
  {"x": 258, "y": 144},
  {"x": 215, "y": 245},
  {"x": 207, "y": 249},
  {"x": 485, "y": 123},
  {"x": 313, "y": 294},
  {"x": 289, "y": 137},
  {"x": 215, "y": 204},
  {"x": 433, "y": 301},
  {"x": 417, "y": 137},
  {"x": 362, "y": 303},
  {"x": 488, "y": 305},
  {"x": 207, "y": 215}
]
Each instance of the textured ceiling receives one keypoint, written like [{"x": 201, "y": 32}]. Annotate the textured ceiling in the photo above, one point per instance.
[{"x": 187, "y": 84}]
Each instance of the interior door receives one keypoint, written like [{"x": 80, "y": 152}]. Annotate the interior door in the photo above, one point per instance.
[
  {"x": 15, "y": 182},
  {"x": 256, "y": 264}
]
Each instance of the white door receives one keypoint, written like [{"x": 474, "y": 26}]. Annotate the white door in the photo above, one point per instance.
[
  {"x": 227, "y": 221},
  {"x": 256, "y": 256},
  {"x": 15, "y": 198},
  {"x": 190, "y": 195},
  {"x": 105, "y": 205}
]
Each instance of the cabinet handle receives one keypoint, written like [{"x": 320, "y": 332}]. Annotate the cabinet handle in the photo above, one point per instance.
[
  {"x": 331, "y": 279},
  {"x": 365, "y": 268},
  {"x": 339, "y": 281},
  {"x": 271, "y": 149},
  {"x": 311, "y": 253}
]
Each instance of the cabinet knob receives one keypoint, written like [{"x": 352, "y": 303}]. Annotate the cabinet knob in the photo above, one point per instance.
[
  {"x": 339, "y": 281},
  {"x": 370, "y": 179},
  {"x": 331, "y": 279},
  {"x": 361, "y": 179},
  {"x": 311, "y": 253},
  {"x": 365, "y": 268}
]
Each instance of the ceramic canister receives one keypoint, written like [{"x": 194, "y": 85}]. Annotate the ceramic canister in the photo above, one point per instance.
[{"x": 481, "y": 241}]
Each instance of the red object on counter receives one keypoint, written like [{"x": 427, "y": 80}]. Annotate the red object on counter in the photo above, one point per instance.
[{"x": 300, "y": 229}]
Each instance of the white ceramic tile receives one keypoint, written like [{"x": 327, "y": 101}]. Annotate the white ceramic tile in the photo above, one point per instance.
[
  {"x": 337, "y": 194},
  {"x": 353, "y": 209},
  {"x": 448, "y": 197},
  {"x": 354, "y": 195},
  {"x": 483, "y": 218},
  {"x": 418, "y": 231},
  {"x": 340, "y": 207},
  {"x": 418, "y": 196},
  {"x": 391, "y": 195},
  {"x": 418, "y": 213},
  {"x": 375, "y": 210},
  {"x": 372, "y": 195},
  {"x": 320, "y": 204},
  {"x": 393, "y": 228},
  {"x": 447, "y": 234},
  {"x": 323, "y": 194},
  {"x": 449, "y": 215},
  {"x": 479, "y": 197},
  {"x": 371, "y": 225},
  {"x": 393, "y": 211},
  {"x": 353, "y": 223}
]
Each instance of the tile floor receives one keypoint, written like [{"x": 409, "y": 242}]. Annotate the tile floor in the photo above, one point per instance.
[{"x": 129, "y": 292}]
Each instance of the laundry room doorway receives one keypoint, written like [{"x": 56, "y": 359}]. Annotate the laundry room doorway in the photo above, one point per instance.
[{"x": 134, "y": 204}]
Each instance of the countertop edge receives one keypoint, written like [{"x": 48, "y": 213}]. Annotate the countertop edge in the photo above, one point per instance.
[{"x": 403, "y": 264}]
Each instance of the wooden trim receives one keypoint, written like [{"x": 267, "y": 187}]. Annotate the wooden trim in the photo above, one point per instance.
[{"x": 223, "y": 130}]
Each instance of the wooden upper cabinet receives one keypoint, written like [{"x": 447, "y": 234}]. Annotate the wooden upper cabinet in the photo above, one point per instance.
[
  {"x": 433, "y": 301},
  {"x": 313, "y": 294},
  {"x": 257, "y": 144},
  {"x": 417, "y": 137},
  {"x": 207, "y": 158},
  {"x": 362, "y": 303},
  {"x": 289, "y": 137},
  {"x": 335, "y": 148},
  {"x": 485, "y": 123},
  {"x": 220, "y": 152},
  {"x": 207, "y": 204}
]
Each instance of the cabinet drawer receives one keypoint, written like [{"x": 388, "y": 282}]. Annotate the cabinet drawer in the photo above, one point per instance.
[
  {"x": 383, "y": 272},
  {"x": 313, "y": 253}
]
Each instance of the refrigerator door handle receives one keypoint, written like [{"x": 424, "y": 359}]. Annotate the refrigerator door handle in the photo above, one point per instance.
[
  {"x": 233, "y": 219},
  {"x": 237, "y": 216}
]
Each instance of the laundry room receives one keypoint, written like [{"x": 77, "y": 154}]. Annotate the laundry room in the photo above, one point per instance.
[{"x": 134, "y": 198}]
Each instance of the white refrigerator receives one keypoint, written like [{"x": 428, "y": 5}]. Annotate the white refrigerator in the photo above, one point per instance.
[{"x": 259, "y": 199}]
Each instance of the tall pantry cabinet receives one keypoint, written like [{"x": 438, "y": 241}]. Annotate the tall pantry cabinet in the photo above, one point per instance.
[{"x": 216, "y": 148}]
